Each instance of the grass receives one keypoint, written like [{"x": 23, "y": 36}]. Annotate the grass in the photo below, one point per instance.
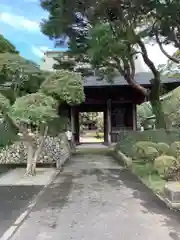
[
  {"x": 93, "y": 134},
  {"x": 149, "y": 176}
]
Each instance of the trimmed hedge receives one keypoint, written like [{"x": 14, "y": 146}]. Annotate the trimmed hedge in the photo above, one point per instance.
[
  {"x": 163, "y": 163},
  {"x": 129, "y": 138}
]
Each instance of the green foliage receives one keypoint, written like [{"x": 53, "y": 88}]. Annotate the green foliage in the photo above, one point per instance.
[
  {"x": 57, "y": 125},
  {"x": 173, "y": 172},
  {"x": 163, "y": 148},
  {"x": 108, "y": 45},
  {"x": 175, "y": 149},
  {"x": 6, "y": 46},
  {"x": 18, "y": 76},
  {"x": 72, "y": 62},
  {"x": 150, "y": 153},
  {"x": 128, "y": 138},
  {"x": 163, "y": 163},
  {"x": 8, "y": 132},
  {"x": 34, "y": 108},
  {"x": 8, "y": 129},
  {"x": 65, "y": 86},
  {"x": 149, "y": 176},
  {"x": 145, "y": 150},
  {"x": 171, "y": 107},
  {"x": 166, "y": 21},
  {"x": 13, "y": 62},
  {"x": 4, "y": 104},
  {"x": 86, "y": 118},
  {"x": 143, "y": 112}
]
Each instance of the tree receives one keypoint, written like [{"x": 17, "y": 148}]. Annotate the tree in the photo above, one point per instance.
[
  {"x": 65, "y": 86},
  {"x": 36, "y": 114},
  {"x": 162, "y": 23},
  {"x": 6, "y": 46},
  {"x": 31, "y": 114},
  {"x": 116, "y": 27},
  {"x": 18, "y": 76},
  {"x": 69, "y": 61}
]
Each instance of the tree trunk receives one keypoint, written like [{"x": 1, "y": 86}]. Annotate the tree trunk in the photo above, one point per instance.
[
  {"x": 33, "y": 154},
  {"x": 154, "y": 95},
  {"x": 30, "y": 155},
  {"x": 38, "y": 152},
  {"x": 154, "y": 98}
]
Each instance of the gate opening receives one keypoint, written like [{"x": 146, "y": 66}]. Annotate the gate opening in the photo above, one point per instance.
[{"x": 91, "y": 127}]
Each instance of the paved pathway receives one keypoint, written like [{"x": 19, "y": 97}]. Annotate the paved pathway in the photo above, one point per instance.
[
  {"x": 94, "y": 199},
  {"x": 16, "y": 193},
  {"x": 13, "y": 202}
]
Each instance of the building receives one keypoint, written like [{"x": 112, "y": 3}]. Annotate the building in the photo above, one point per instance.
[
  {"x": 48, "y": 60},
  {"x": 117, "y": 100}
]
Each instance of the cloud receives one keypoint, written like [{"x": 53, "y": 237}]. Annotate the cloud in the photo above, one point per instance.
[
  {"x": 39, "y": 51},
  {"x": 19, "y": 22}
]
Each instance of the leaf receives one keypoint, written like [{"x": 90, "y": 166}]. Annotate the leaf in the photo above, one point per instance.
[
  {"x": 65, "y": 86},
  {"x": 34, "y": 109}
]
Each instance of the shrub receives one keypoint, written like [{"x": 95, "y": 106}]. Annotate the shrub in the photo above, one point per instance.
[
  {"x": 175, "y": 149},
  {"x": 163, "y": 148},
  {"x": 150, "y": 153},
  {"x": 128, "y": 138},
  {"x": 163, "y": 163},
  {"x": 173, "y": 172},
  {"x": 140, "y": 148}
]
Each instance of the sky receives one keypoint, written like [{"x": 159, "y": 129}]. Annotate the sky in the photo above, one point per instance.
[{"x": 20, "y": 23}]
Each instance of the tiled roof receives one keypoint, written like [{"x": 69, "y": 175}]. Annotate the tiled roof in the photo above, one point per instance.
[{"x": 142, "y": 78}]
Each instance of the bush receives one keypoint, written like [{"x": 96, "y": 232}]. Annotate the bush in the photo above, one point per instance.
[
  {"x": 173, "y": 172},
  {"x": 163, "y": 148},
  {"x": 143, "y": 149},
  {"x": 175, "y": 149},
  {"x": 163, "y": 163},
  {"x": 128, "y": 138},
  {"x": 150, "y": 153}
]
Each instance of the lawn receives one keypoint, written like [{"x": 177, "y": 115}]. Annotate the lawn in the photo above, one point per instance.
[
  {"x": 149, "y": 176},
  {"x": 91, "y": 133}
]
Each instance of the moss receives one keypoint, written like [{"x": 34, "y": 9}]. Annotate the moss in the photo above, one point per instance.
[{"x": 163, "y": 163}]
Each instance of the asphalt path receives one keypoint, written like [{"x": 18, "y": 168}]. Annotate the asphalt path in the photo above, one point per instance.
[
  {"x": 14, "y": 201},
  {"x": 94, "y": 199}
]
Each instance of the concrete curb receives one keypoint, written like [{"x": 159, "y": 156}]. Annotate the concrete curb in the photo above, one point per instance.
[
  {"x": 123, "y": 159},
  {"x": 18, "y": 222},
  {"x": 160, "y": 197}
]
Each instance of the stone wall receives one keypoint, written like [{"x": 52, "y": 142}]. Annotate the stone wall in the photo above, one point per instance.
[{"x": 55, "y": 150}]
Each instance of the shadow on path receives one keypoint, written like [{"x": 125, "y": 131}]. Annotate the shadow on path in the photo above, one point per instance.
[{"x": 13, "y": 202}]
